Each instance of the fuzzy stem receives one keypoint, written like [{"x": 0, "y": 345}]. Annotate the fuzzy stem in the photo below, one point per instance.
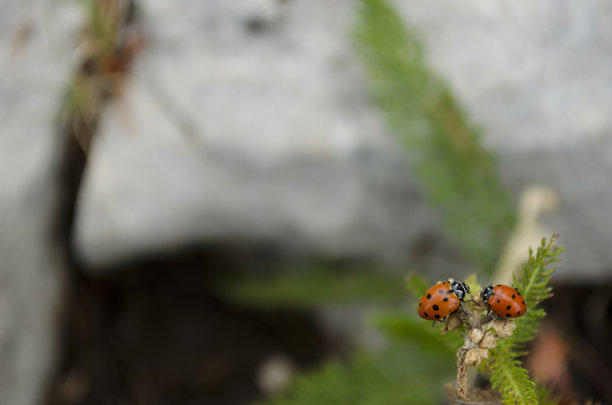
[
  {"x": 462, "y": 375},
  {"x": 471, "y": 320}
]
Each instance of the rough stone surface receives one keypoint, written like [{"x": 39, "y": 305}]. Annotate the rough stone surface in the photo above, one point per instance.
[
  {"x": 35, "y": 43},
  {"x": 249, "y": 119}
]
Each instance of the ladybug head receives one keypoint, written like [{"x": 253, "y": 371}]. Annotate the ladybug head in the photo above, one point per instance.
[
  {"x": 486, "y": 293},
  {"x": 460, "y": 289}
]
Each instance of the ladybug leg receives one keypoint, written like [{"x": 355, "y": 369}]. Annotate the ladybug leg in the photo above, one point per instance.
[
  {"x": 489, "y": 317},
  {"x": 433, "y": 324}
]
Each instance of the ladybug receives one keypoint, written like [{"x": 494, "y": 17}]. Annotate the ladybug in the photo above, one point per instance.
[
  {"x": 442, "y": 300},
  {"x": 505, "y": 301}
]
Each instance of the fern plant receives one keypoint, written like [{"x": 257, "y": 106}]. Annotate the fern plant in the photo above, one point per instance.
[
  {"x": 495, "y": 344},
  {"x": 507, "y": 375},
  {"x": 459, "y": 176},
  {"x": 398, "y": 375},
  {"x": 457, "y": 173}
]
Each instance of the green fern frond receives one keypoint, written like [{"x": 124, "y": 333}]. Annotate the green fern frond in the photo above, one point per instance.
[
  {"x": 457, "y": 172},
  {"x": 510, "y": 379},
  {"x": 507, "y": 375},
  {"x": 532, "y": 282},
  {"x": 536, "y": 273},
  {"x": 413, "y": 330}
]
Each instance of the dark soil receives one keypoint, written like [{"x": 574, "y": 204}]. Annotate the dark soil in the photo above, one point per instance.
[{"x": 157, "y": 333}]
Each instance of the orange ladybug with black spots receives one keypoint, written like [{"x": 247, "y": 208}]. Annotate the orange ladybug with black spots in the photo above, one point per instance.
[
  {"x": 505, "y": 301},
  {"x": 442, "y": 300}
]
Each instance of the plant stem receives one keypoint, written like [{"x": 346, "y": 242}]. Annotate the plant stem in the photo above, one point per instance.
[{"x": 462, "y": 375}]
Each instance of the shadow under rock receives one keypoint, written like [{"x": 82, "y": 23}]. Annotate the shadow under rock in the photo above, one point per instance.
[{"x": 156, "y": 333}]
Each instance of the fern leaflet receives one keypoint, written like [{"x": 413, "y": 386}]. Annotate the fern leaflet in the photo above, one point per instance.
[
  {"x": 510, "y": 379},
  {"x": 507, "y": 374}
]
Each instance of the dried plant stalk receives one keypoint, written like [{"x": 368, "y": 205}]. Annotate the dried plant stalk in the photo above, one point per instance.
[{"x": 462, "y": 375}]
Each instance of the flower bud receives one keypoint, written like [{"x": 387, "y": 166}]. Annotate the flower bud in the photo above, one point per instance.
[
  {"x": 475, "y": 335},
  {"x": 474, "y": 357},
  {"x": 489, "y": 340},
  {"x": 503, "y": 328}
]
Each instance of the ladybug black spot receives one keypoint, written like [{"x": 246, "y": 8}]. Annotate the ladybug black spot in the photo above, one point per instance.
[
  {"x": 455, "y": 302},
  {"x": 449, "y": 292},
  {"x": 513, "y": 296},
  {"x": 426, "y": 316},
  {"x": 445, "y": 299},
  {"x": 437, "y": 316},
  {"x": 508, "y": 307},
  {"x": 436, "y": 308},
  {"x": 419, "y": 304},
  {"x": 501, "y": 293},
  {"x": 441, "y": 291},
  {"x": 523, "y": 302},
  {"x": 498, "y": 300},
  {"x": 428, "y": 296},
  {"x": 508, "y": 315},
  {"x": 518, "y": 313}
]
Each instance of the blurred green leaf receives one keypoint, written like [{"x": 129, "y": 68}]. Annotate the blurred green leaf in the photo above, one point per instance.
[
  {"x": 474, "y": 285},
  {"x": 311, "y": 287},
  {"x": 417, "y": 285},
  {"x": 399, "y": 375},
  {"x": 413, "y": 330},
  {"x": 545, "y": 396}
]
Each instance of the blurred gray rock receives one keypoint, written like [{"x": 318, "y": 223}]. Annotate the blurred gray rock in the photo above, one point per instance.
[
  {"x": 35, "y": 46},
  {"x": 250, "y": 120},
  {"x": 247, "y": 121},
  {"x": 536, "y": 77}
]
